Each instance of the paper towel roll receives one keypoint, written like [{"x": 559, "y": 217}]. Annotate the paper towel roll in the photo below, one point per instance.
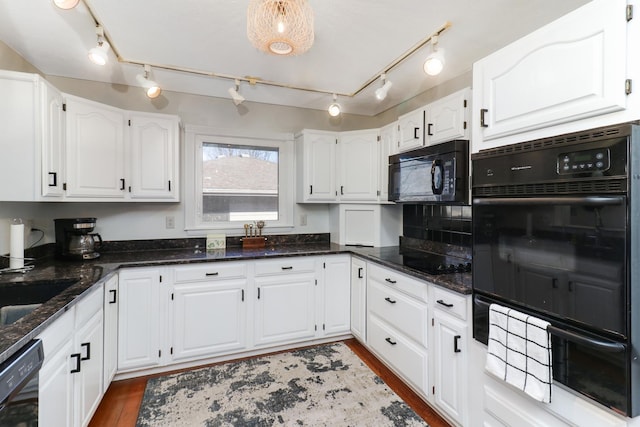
[{"x": 16, "y": 249}]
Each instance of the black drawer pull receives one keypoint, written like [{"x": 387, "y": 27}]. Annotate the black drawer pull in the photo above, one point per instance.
[
  {"x": 287, "y": 268},
  {"x": 113, "y": 294},
  {"x": 444, "y": 303},
  {"x": 77, "y": 368},
  {"x": 390, "y": 280},
  {"x": 122, "y": 185},
  {"x": 55, "y": 179},
  {"x": 483, "y": 123},
  {"x": 211, "y": 274},
  {"x": 390, "y": 341},
  {"x": 87, "y": 346},
  {"x": 360, "y": 273},
  {"x": 389, "y": 300},
  {"x": 429, "y": 129},
  {"x": 415, "y": 133},
  {"x": 456, "y": 349}
]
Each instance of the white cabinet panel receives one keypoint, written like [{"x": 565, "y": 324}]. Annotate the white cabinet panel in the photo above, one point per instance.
[
  {"x": 88, "y": 383},
  {"x": 336, "y": 295},
  {"x": 110, "y": 330},
  {"x": 316, "y": 166},
  {"x": 446, "y": 118},
  {"x": 359, "y": 299},
  {"x": 388, "y": 147},
  {"x": 411, "y": 130},
  {"x": 52, "y": 170},
  {"x": 358, "y": 165}
]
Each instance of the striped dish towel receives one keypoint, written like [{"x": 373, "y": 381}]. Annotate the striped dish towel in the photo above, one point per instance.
[{"x": 520, "y": 351}]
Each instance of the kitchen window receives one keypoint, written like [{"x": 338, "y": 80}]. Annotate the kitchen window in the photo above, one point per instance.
[{"x": 236, "y": 179}]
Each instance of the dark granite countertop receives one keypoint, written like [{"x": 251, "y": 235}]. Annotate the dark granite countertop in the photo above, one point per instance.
[{"x": 89, "y": 273}]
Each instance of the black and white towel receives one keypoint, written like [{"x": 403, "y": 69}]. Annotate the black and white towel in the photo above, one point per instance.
[{"x": 520, "y": 351}]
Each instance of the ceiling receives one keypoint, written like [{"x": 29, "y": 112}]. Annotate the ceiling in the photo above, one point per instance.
[{"x": 355, "y": 40}]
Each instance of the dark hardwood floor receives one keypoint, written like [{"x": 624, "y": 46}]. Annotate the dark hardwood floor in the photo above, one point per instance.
[{"x": 120, "y": 405}]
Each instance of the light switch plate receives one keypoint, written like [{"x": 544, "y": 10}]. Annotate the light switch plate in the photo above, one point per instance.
[{"x": 216, "y": 241}]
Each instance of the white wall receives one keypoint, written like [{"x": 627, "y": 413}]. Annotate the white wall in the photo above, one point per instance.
[{"x": 123, "y": 221}]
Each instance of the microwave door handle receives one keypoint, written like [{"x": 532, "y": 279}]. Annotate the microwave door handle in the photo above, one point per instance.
[
  {"x": 584, "y": 201},
  {"x": 601, "y": 345}
]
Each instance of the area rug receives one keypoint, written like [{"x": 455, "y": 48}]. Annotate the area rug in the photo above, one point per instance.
[{"x": 327, "y": 385}]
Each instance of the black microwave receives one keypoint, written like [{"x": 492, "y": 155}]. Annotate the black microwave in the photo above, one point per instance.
[{"x": 438, "y": 173}]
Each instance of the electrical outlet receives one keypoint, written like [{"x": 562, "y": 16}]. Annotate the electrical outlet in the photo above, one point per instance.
[
  {"x": 170, "y": 221},
  {"x": 303, "y": 219}
]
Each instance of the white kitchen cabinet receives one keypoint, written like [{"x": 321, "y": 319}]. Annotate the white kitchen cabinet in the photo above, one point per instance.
[
  {"x": 30, "y": 119},
  {"x": 335, "y": 298},
  {"x": 570, "y": 69},
  {"x": 154, "y": 155},
  {"x": 411, "y": 130},
  {"x": 450, "y": 349},
  {"x": 388, "y": 147},
  {"x": 397, "y": 324},
  {"x": 95, "y": 152},
  {"x": 209, "y": 310},
  {"x": 359, "y": 299},
  {"x": 446, "y": 119},
  {"x": 316, "y": 166},
  {"x": 140, "y": 320},
  {"x": 110, "y": 330},
  {"x": 365, "y": 224},
  {"x": 284, "y": 300},
  {"x": 358, "y": 166},
  {"x": 71, "y": 378}
]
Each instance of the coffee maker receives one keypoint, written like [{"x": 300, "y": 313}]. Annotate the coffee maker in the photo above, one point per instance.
[{"x": 74, "y": 239}]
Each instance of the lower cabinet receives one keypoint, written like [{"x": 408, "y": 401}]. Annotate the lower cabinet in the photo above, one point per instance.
[
  {"x": 71, "y": 378},
  {"x": 335, "y": 295},
  {"x": 110, "y": 330},
  {"x": 359, "y": 299}
]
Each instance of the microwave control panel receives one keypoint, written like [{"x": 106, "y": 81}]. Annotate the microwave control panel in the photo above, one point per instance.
[{"x": 596, "y": 160}]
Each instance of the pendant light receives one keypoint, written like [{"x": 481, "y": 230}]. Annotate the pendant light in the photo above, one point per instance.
[{"x": 280, "y": 27}]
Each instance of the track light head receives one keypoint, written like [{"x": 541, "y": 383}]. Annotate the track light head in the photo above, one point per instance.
[
  {"x": 66, "y": 4},
  {"x": 152, "y": 89},
  {"x": 98, "y": 54},
  {"x": 381, "y": 92},
  {"x": 334, "y": 109},
  {"x": 235, "y": 95},
  {"x": 434, "y": 63}
]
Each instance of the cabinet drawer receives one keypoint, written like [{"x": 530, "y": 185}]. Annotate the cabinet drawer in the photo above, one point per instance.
[
  {"x": 210, "y": 271},
  {"x": 450, "y": 302},
  {"x": 407, "y": 359},
  {"x": 398, "y": 281},
  {"x": 400, "y": 311},
  {"x": 88, "y": 306},
  {"x": 58, "y": 333},
  {"x": 285, "y": 266}
]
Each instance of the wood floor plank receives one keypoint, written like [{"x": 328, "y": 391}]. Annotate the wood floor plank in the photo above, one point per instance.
[{"x": 121, "y": 403}]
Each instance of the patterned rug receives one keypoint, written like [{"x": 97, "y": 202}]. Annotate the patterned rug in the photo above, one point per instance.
[{"x": 326, "y": 385}]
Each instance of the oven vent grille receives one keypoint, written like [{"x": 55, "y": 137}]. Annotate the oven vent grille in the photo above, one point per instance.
[
  {"x": 564, "y": 188},
  {"x": 570, "y": 138}
]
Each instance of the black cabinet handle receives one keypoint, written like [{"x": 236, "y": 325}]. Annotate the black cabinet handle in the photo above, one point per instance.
[
  {"x": 429, "y": 129},
  {"x": 456, "y": 349},
  {"x": 444, "y": 303},
  {"x": 215, "y": 273},
  {"x": 415, "y": 133},
  {"x": 122, "y": 186},
  {"x": 169, "y": 185},
  {"x": 390, "y": 280},
  {"x": 483, "y": 123},
  {"x": 113, "y": 295},
  {"x": 87, "y": 346},
  {"x": 55, "y": 179},
  {"x": 287, "y": 268},
  {"x": 342, "y": 190},
  {"x": 242, "y": 296},
  {"x": 389, "y": 300},
  {"x": 390, "y": 341},
  {"x": 360, "y": 273},
  {"x": 77, "y": 368},
  {"x": 258, "y": 293},
  {"x": 311, "y": 189}
]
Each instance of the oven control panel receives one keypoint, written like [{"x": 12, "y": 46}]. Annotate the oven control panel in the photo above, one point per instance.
[{"x": 596, "y": 160}]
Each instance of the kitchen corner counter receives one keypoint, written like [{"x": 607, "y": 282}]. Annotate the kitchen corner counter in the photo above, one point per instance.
[{"x": 89, "y": 273}]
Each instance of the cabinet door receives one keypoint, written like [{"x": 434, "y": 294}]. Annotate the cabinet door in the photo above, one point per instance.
[
  {"x": 154, "y": 156},
  {"x": 388, "y": 147},
  {"x": 359, "y": 299},
  {"x": 447, "y": 118},
  {"x": 570, "y": 69},
  {"x": 336, "y": 297},
  {"x": 411, "y": 130},
  {"x": 110, "y": 330},
  {"x": 284, "y": 308},
  {"x": 94, "y": 150},
  {"x": 55, "y": 389},
  {"x": 208, "y": 318},
  {"x": 358, "y": 163},
  {"x": 52, "y": 141},
  {"x": 139, "y": 319},
  {"x": 450, "y": 366},
  {"x": 88, "y": 382},
  {"x": 317, "y": 165}
]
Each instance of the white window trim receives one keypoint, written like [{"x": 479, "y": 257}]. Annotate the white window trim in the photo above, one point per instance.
[{"x": 195, "y": 136}]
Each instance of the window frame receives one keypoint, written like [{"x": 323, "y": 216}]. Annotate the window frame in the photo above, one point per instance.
[{"x": 195, "y": 136}]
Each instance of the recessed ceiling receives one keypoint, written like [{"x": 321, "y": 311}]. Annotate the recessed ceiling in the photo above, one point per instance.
[{"x": 355, "y": 40}]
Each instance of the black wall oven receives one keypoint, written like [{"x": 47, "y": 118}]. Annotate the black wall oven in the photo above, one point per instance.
[{"x": 555, "y": 234}]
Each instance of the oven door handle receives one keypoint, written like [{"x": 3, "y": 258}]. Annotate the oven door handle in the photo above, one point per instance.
[
  {"x": 585, "y": 201},
  {"x": 602, "y": 345}
]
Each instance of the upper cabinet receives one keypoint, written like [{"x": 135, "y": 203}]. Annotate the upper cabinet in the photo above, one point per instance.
[
  {"x": 316, "y": 166},
  {"x": 411, "y": 130},
  {"x": 388, "y": 147},
  {"x": 359, "y": 165},
  {"x": 52, "y": 143},
  {"x": 571, "y": 69}
]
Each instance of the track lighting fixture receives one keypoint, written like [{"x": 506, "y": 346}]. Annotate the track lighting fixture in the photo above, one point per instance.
[
  {"x": 98, "y": 54},
  {"x": 235, "y": 95},
  {"x": 151, "y": 88},
  {"x": 435, "y": 61},
  {"x": 381, "y": 92},
  {"x": 66, "y": 4},
  {"x": 334, "y": 109}
]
